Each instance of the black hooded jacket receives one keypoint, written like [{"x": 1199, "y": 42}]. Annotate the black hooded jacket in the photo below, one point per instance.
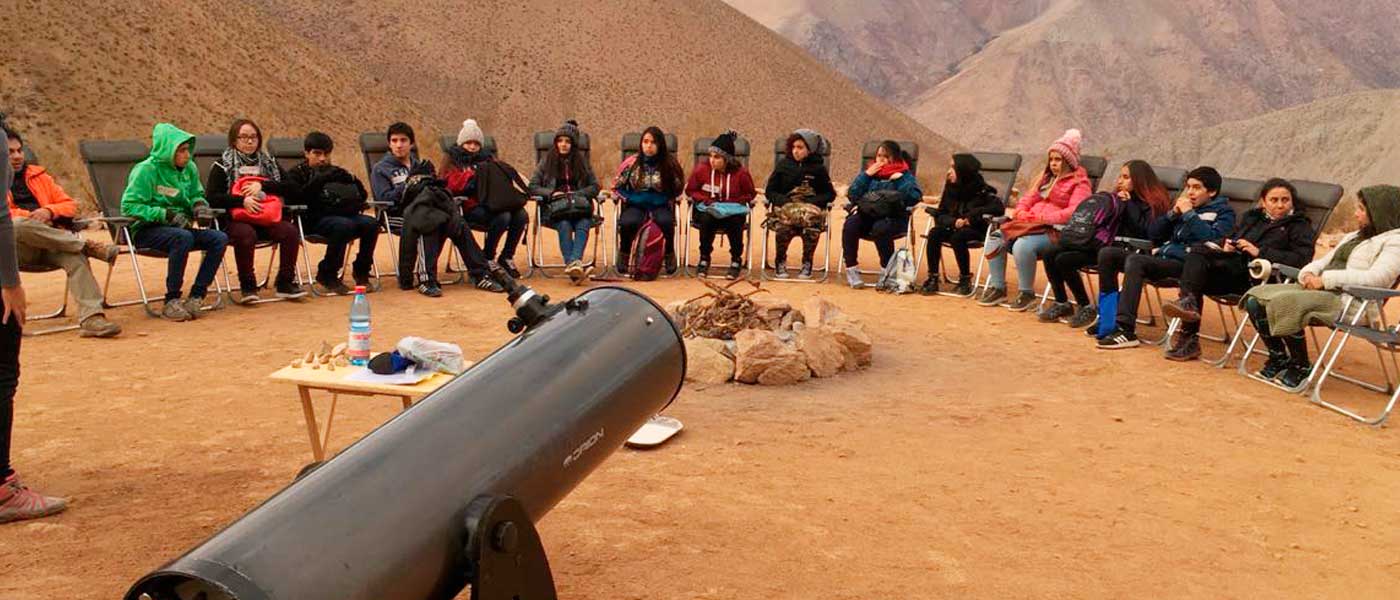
[
  {"x": 1287, "y": 241},
  {"x": 788, "y": 174}
]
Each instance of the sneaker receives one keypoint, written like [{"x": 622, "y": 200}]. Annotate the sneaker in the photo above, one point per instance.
[
  {"x": 338, "y": 287},
  {"x": 101, "y": 251},
  {"x": 780, "y": 270},
  {"x": 362, "y": 279},
  {"x": 964, "y": 287},
  {"x": 1023, "y": 302},
  {"x": 1186, "y": 346},
  {"x": 248, "y": 295},
  {"x": 587, "y": 275},
  {"x": 806, "y": 271},
  {"x": 430, "y": 289},
  {"x": 18, "y": 502},
  {"x": 1118, "y": 339},
  {"x": 194, "y": 306},
  {"x": 574, "y": 271},
  {"x": 1054, "y": 311},
  {"x": 930, "y": 286},
  {"x": 487, "y": 284},
  {"x": 702, "y": 269},
  {"x": 99, "y": 327},
  {"x": 509, "y": 266},
  {"x": 1185, "y": 308},
  {"x": 1294, "y": 376},
  {"x": 734, "y": 270},
  {"x": 992, "y": 297},
  {"x": 174, "y": 310},
  {"x": 1273, "y": 367},
  {"x": 1085, "y": 316},
  {"x": 289, "y": 290},
  {"x": 853, "y": 278}
]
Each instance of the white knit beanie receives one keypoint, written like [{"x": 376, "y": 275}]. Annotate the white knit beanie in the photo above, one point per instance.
[{"x": 471, "y": 132}]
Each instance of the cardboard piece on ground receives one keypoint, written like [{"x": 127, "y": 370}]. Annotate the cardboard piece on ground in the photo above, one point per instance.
[{"x": 655, "y": 432}]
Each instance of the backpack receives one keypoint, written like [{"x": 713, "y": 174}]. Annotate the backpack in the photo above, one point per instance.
[
  {"x": 1092, "y": 224},
  {"x": 898, "y": 276},
  {"x": 648, "y": 251},
  {"x": 499, "y": 187}
]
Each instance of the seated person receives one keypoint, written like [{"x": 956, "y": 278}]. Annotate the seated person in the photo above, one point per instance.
[
  {"x": 1059, "y": 189},
  {"x": 163, "y": 196},
  {"x": 1140, "y": 197},
  {"x": 800, "y": 179},
  {"x": 565, "y": 174},
  {"x": 388, "y": 182},
  {"x": 960, "y": 218},
  {"x": 459, "y": 171},
  {"x": 1200, "y": 215},
  {"x": 1368, "y": 257},
  {"x": 1271, "y": 231},
  {"x": 648, "y": 184},
  {"x": 335, "y": 204},
  {"x": 40, "y": 208},
  {"x": 720, "y": 191},
  {"x": 887, "y": 190},
  {"x": 245, "y": 157}
]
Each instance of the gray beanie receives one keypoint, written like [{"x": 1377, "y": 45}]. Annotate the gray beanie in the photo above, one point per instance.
[
  {"x": 813, "y": 140},
  {"x": 471, "y": 132}
]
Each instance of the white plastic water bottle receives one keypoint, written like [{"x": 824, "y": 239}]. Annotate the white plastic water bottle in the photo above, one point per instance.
[{"x": 358, "y": 346}]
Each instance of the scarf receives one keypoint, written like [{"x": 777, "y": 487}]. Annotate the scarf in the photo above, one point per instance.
[
  {"x": 233, "y": 162},
  {"x": 891, "y": 168}
]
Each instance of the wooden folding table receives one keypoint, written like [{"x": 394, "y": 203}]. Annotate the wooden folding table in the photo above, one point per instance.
[{"x": 307, "y": 379}]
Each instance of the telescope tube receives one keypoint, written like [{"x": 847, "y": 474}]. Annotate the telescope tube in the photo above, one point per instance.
[{"x": 383, "y": 520}]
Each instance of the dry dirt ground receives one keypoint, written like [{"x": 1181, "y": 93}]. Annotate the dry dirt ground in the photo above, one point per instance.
[{"x": 983, "y": 455}]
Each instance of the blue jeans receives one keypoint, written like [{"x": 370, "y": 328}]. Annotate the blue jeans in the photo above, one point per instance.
[
  {"x": 573, "y": 237},
  {"x": 510, "y": 224},
  {"x": 1027, "y": 251},
  {"x": 176, "y": 243}
]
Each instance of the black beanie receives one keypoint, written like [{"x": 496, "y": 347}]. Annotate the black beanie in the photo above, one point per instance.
[
  {"x": 569, "y": 130},
  {"x": 1208, "y": 176},
  {"x": 724, "y": 144}
]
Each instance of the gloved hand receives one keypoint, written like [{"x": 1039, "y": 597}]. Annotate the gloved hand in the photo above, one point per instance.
[
  {"x": 176, "y": 218},
  {"x": 202, "y": 210}
]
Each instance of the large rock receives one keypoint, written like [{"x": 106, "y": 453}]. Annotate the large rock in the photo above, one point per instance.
[
  {"x": 708, "y": 361},
  {"x": 820, "y": 311},
  {"x": 852, "y": 336},
  {"x": 824, "y": 355},
  {"x": 772, "y": 311},
  {"x": 763, "y": 358}
]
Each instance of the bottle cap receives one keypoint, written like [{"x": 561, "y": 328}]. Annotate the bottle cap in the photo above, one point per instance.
[{"x": 359, "y": 289}]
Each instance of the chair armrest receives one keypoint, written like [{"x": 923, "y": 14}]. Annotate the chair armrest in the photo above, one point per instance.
[
  {"x": 379, "y": 203},
  {"x": 296, "y": 208},
  {"x": 218, "y": 211},
  {"x": 995, "y": 219},
  {"x": 1370, "y": 293},
  {"x": 118, "y": 221},
  {"x": 1135, "y": 243},
  {"x": 1289, "y": 273}
]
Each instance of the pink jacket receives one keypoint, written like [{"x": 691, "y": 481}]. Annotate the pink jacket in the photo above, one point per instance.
[{"x": 1055, "y": 208}]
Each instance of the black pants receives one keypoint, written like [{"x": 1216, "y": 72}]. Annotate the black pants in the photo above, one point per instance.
[
  {"x": 1062, "y": 267},
  {"x": 631, "y": 219},
  {"x": 1213, "y": 275},
  {"x": 455, "y": 230},
  {"x": 339, "y": 231},
  {"x": 733, "y": 228},
  {"x": 1138, "y": 269},
  {"x": 882, "y": 231},
  {"x": 1111, "y": 262},
  {"x": 958, "y": 239},
  {"x": 9, "y": 381},
  {"x": 510, "y": 224}
]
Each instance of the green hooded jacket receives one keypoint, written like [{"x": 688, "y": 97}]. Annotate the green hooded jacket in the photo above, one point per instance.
[{"x": 155, "y": 185}]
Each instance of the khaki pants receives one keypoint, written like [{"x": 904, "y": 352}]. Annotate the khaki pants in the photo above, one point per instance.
[{"x": 41, "y": 245}]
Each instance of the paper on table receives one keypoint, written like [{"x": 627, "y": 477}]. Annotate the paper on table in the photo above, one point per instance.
[{"x": 410, "y": 376}]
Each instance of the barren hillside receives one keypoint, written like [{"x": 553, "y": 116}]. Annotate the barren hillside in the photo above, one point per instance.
[{"x": 83, "y": 69}]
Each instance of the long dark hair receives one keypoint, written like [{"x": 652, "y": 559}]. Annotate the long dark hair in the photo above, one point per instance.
[
  {"x": 554, "y": 164},
  {"x": 672, "y": 177},
  {"x": 896, "y": 153},
  {"x": 1148, "y": 187},
  {"x": 237, "y": 125}
]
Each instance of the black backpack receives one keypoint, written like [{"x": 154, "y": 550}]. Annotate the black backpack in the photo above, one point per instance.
[
  {"x": 1092, "y": 224},
  {"x": 499, "y": 187},
  {"x": 882, "y": 204}
]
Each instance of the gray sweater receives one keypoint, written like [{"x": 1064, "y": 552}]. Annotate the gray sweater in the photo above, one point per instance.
[{"x": 9, "y": 262}]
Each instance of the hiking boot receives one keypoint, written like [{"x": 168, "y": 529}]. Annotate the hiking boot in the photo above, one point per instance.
[
  {"x": 1023, "y": 302},
  {"x": 1187, "y": 308},
  {"x": 853, "y": 278},
  {"x": 1118, "y": 339},
  {"x": 430, "y": 289},
  {"x": 780, "y": 270},
  {"x": 248, "y": 294},
  {"x": 194, "y": 306},
  {"x": 289, "y": 290},
  {"x": 101, "y": 251},
  {"x": 18, "y": 502},
  {"x": 1186, "y": 346},
  {"x": 1054, "y": 312},
  {"x": 509, "y": 266},
  {"x": 99, "y": 327},
  {"x": 702, "y": 268},
  {"x": 1294, "y": 376},
  {"x": 806, "y": 271},
  {"x": 174, "y": 310},
  {"x": 964, "y": 287},
  {"x": 337, "y": 287},
  {"x": 1275, "y": 365},
  {"x": 930, "y": 286},
  {"x": 992, "y": 297},
  {"x": 1084, "y": 316},
  {"x": 734, "y": 270}
]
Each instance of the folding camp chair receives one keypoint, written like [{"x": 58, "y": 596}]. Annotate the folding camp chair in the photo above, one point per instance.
[
  {"x": 632, "y": 144},
  {"x": 766, "y": 267},
  {"x": 1094, "y": 167},
  {"x": 208, "y": 149},
  {"x": 999, "y": 170},
  {"x": 373, "y": 147},
  {"x": 1383, "y": 335},
  {"x": 488, "y": 145},
  {"x": 867, "y": 154},
  {"x": 701, "y": 151},
  {"x": 544, "y": 144},
  {"x": 108, "y": 164},
  {"x": 31, "y": 159}
]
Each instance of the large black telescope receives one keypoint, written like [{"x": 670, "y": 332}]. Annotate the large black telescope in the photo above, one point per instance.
[{"x": 447, "y": 493}]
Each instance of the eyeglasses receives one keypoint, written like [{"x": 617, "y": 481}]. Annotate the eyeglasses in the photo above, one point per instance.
[{"x": 248, "y": 138}]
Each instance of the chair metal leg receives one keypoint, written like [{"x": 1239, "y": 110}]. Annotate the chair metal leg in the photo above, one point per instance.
[{"x": 1328, "y": 370}]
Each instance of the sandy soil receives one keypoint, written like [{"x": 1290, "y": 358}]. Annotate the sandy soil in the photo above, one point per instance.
[{"x": 983, "y": 455}]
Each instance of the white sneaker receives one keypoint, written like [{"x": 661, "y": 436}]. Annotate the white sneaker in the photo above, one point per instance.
[{"x": 853, "y": 278}]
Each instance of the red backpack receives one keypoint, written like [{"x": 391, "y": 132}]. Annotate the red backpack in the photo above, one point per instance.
[{"x": 648, "y": 251}]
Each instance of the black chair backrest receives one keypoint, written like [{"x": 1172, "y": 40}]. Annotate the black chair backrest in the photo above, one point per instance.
[
  {"x": 867, "y": 153},
  {"x": 208, "y": 149},
  {"x": 1242, "y": 194},
  {"x": 288, "y": 152},
  {"x": 1094, "y": 167},
  {"x": 544, "y": 143},
  {"x": 448, "y": 141},
  {"x": 1000, "y": 170},
  {"x": 632, "y": 143},
  {"x": 373, "y": 146},
  {"x": 1174, "y": 178},
  {"x": 30, "y": 158},
  {"x": 742, "y": 150},
  {"x": 1317, "y": 200},
  {"x": 109, "y": 163}
]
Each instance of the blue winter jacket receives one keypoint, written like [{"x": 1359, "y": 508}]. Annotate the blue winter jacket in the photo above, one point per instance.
[
  {"x": 1211, "y": 221},
  {"x": 907, "y": 184}
]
